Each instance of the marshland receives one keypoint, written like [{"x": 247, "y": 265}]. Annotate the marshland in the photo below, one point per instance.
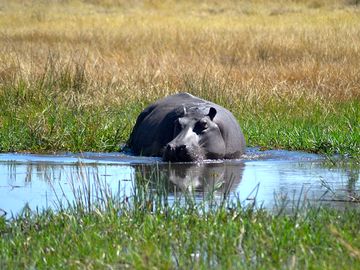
[{"x": 75, "y": 74}]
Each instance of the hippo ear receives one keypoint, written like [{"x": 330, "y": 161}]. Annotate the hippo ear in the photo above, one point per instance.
[
  {"x": 212, "y": 113},
  {"x": 184, "y": 110}
]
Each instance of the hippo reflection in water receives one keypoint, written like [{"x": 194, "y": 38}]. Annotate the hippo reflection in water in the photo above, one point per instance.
[
  {"x": 222, "y": 178},
  {"x": 184, "y": 128}
]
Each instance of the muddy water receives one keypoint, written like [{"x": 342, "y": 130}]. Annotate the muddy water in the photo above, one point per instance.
[{"x": 264, "y": 178}]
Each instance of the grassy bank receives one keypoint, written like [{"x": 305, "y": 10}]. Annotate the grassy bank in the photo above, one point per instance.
[
  {"x": 75, "y": 74},
  {"x": 190, "y": 237}
]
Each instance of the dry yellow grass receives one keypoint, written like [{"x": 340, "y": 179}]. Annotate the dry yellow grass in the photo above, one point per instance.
[{"x": 145, "y": 49}]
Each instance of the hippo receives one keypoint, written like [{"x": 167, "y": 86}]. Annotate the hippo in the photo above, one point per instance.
[{"x": 185, "y": 128}]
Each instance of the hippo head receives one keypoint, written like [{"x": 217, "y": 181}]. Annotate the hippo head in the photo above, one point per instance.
[{"x": 196, "y": 137}]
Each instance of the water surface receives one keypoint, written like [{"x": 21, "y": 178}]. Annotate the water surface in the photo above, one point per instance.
[{"x": 264, "y": 178}]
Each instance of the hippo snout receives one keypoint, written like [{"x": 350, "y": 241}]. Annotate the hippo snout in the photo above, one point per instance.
[{"x": 177, "y": 153}]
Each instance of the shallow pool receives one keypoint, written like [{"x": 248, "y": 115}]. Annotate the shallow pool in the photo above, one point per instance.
[{"x": 264, "y": 178}]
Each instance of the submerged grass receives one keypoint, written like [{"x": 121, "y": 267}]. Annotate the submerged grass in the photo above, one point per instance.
[
  {"x": 75, "y": 74},
  {"x": 103, "y": 230}
]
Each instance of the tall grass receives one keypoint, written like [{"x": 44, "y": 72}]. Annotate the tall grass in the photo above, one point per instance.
[{"x": 74, "y": 74}]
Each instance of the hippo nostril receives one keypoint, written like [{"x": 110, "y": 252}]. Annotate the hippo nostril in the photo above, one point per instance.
[
  {"x": 170, "y": 147},
  {"x": 169, "y": 153},
  {"x": 182, "y": 147}
]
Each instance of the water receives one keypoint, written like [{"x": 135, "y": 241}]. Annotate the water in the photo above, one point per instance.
[{"x": 263, "y": 178}]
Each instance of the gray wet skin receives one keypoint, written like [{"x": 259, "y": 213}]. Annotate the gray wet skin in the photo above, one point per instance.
[{"x": 185, "y": 128}]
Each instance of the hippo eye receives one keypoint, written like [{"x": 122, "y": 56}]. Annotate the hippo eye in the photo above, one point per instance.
[{"x": 200, "y": 126}]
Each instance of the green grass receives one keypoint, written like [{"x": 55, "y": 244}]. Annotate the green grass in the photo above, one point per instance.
[
  {"x": 51, "y": 114},
  {"x": 191, "y": 236},
  {"x": 47, "y": 115}
]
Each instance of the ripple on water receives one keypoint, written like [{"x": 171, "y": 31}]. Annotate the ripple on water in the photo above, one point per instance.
[{"x": 47, "y": 180}]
